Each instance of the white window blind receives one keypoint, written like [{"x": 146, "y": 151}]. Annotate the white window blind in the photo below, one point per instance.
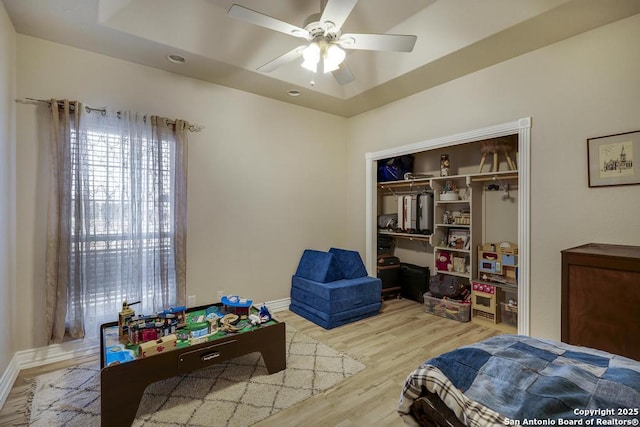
[{"x": 122, "y": 242}]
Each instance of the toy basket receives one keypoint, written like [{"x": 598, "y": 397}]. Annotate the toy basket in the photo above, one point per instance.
[
  {"x": 447, "y": 308},
  {"x": 509, "y": 314}
]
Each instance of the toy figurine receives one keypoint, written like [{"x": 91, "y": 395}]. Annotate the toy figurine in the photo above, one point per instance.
[
  {"x": 124, "y": 317},
  {"x": 443, "y": 261},
  {"x": 265, "y": 315},
  {"x": 445, "y": 217},
  {"x": 255, "y": 319},
  {"x": 444, "y": 165}
]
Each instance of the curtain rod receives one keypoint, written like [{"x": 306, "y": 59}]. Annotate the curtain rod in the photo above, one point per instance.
[{"x": 192, "y": 127}]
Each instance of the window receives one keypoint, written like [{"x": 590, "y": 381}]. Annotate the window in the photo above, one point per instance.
[
  {"x": 124, "y": 200},
  {"x": 121, "y": 181}
]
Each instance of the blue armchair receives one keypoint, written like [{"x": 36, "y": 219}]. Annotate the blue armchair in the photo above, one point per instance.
[{"x": 332, "y": 288}]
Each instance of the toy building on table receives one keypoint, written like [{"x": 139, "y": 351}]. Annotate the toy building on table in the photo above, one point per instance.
[
  {"x": 146, "y": 335},
  {"x": 165, "y": 343},
  {"x": 141, "y": 329},
  {"x": 236, "y": 305}
]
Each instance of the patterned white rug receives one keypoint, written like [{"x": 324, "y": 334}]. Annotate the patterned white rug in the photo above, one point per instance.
[{"x": 239, "y": 392}]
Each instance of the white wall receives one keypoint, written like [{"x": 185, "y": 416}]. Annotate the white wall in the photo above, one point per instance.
[
  {"x": 7, "y": 189},
  {"x": 265, "y": 181},
  {"x": 583, "y": 87}
]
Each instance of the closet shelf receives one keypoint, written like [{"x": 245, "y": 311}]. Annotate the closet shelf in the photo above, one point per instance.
[{"x": 409, "y": 236}]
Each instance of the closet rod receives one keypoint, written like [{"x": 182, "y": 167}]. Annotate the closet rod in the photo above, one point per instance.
[
  {"x": 495, "y": 177},
  {"x": 192, "y": 127}
]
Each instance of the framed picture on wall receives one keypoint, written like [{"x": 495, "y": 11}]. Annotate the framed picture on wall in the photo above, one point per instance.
[
  {"x": 614, "y": 159},
  {"x": 458, "y": 238}
]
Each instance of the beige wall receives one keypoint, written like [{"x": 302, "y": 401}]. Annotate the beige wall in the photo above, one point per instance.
[
  {"x": 266, "y": 178},
  {"x": 7, "y": 189},
  {"x": 583, "y": 87}
]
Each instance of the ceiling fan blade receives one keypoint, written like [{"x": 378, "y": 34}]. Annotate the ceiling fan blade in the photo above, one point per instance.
[
  {"x": 343, "y": 74},
  {"x": 392, "y": 42},
  {"x": 290, "y": 56},
  {"x": 251, "y": 16},
  {"x": 337, "y": 11}
]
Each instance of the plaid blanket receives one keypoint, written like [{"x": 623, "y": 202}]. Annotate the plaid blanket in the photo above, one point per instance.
[{"x": 518, "y": 380}]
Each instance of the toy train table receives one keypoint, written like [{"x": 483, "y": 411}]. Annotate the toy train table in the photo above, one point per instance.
[{"x": 127, "y": 370}]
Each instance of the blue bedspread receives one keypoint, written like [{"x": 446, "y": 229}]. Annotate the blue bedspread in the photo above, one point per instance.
[{"x": 518, "y": 380}]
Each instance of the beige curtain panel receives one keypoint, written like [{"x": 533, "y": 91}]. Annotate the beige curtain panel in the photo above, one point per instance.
[{"x": 116, "y": 217}]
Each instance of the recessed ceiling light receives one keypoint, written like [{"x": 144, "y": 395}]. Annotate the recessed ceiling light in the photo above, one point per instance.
[
  {"x": 177, "y": 59},
  {"x": 294, "y": 92}
]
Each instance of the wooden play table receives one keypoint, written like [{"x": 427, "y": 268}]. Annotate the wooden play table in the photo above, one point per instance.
[{"x": 122, "y": 384}]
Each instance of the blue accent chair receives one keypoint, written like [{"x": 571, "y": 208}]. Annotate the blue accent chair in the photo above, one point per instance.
[{"x": 332, "y": 288}]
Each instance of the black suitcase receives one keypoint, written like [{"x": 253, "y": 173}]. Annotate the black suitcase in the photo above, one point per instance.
[
  {"x": 414, "y": 281},
  {"x": 389, "y": 272},
  {"x": 385, "y": 245}
]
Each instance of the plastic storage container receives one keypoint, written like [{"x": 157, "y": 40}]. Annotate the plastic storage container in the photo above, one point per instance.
[
  {"x": 448, "y": 308},
  {"x": 509, "y": 314}
]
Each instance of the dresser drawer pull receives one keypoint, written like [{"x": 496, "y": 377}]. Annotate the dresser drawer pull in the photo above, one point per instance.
[{"x": 209, "y": 356}]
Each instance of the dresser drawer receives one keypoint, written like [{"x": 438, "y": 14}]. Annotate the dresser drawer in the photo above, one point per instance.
[{"x": 206, "y": 356}]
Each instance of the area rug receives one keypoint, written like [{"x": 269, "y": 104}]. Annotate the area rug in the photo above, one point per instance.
[{"x": 239, "y": 392}]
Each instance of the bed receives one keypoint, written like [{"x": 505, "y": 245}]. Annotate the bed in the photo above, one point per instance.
[{"x": 519, "y": 380}]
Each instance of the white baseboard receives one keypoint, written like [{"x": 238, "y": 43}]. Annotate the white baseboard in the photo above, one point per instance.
[
  {"x": 278, "y": 305},
  {"x": 56, "y": 353},
  {"x": 32, "y": 358},
  {"x": 8, "y": 378},
  {"x": 35, "y": 357}
]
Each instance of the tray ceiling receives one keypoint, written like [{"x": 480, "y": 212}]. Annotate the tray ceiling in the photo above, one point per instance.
[{"x": 455, "y": 38}]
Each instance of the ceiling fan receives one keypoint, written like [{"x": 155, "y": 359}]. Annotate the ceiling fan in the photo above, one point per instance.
[{"x": 324, "y": 51}]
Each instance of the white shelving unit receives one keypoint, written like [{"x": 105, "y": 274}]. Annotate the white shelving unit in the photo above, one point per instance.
[{"x": 453, "y": 231}]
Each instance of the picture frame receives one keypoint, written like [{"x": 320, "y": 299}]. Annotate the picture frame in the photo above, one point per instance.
[
  {"x": 610, "y": 159},
  {"x": 458, "y": 238}
]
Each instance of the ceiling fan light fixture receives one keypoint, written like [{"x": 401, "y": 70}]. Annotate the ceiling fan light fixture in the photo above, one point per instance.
[
  {"x": 311, "y": 55},
  {"x": 333, "y": 58}
]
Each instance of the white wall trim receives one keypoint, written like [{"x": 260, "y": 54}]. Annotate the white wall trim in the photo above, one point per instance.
[
  {"x": 32, "y": 358},
  {"x": 54, "y": 353},
  {"x": 278, "y": 305},
  {"x": 8, "y": 378},
  {"x": 26, "y": 359},
  {"x": 523, "y": 128}
]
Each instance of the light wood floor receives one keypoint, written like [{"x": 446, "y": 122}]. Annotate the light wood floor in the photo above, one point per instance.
[{"x": 391, "y": 345}]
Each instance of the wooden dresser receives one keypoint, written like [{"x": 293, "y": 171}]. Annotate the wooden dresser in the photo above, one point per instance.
[{"x": 601, "y": 298}]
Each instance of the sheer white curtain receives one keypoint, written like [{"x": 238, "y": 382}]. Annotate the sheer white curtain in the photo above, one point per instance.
[{"x": 127, "y": 218}]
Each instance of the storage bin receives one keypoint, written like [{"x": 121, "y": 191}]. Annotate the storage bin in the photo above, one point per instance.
[
  {"x": 448, "y": 308},
  {"x": 509, "y": 314},
  {"x": 511, "y": 296},
  {"x": 448, "y": 196}
]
